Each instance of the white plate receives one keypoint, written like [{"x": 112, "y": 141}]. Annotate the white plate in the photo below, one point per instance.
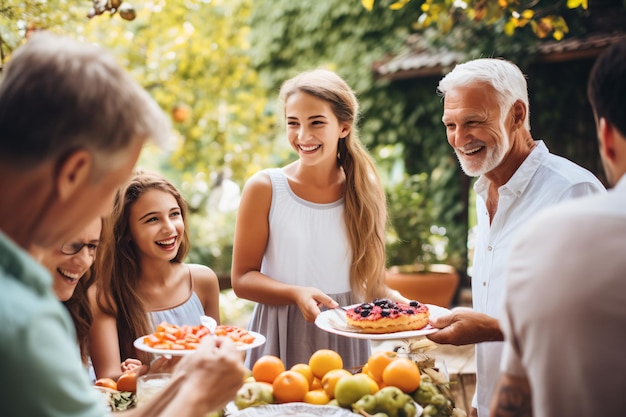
[
  {"x": 259, "y": 339},
  {"x": 293, "y": 409},
  {"x": 325, "y": 319}
]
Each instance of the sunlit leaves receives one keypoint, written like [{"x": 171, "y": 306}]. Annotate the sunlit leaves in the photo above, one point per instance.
[
  {"x": 574, "y": 4},
  {"x": 196, "y": 54},
  {"x": 19, "y": 17},
  {"x": 509, "y": 15},
  {"x": 368, "y": 4},
  {"x": 547, "y": 25},
  {"x": 398, "y": 4}
]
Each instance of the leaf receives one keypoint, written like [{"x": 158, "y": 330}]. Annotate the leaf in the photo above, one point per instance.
[
  {"x": 398, "y": 4},
  {"x": 509, "y": 26},
  {"x": 368, "y": 4},
  {"x": 573, "y": 4}
]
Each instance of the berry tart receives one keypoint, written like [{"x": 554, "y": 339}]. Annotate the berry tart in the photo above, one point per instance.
[{"x": 387, "y": 316}]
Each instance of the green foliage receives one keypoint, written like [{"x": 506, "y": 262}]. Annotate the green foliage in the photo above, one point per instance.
[
  {"x": 560, "y": 112},
  {"x": 196, "y": 53},
  {"x": 20, "y": 17},
  {"x": 548, "y": 18},
  {"x": 411, "y": 213}
]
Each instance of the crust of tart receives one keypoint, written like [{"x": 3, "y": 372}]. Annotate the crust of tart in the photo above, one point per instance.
[{"x": 387, "y": 325}]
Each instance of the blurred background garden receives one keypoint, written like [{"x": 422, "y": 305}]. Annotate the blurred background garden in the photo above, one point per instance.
[{"x": 216, "y": 66}]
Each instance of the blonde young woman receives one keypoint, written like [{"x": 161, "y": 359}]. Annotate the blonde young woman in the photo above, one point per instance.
[
  {"x": 310, "y": 235},
  {"x": 143, "y": 279}
]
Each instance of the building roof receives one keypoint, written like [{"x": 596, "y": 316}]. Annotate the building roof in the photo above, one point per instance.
[{"x": 419, "y": 62}]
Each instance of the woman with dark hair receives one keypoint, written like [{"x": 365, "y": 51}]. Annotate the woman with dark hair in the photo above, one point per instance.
[{"x": 71, "y": 266}]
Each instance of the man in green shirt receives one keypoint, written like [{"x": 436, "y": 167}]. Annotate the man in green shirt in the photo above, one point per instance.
[{"x": 72, "y": 125}]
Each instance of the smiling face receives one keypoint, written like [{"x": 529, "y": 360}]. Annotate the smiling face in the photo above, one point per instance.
[
  {"x": 475, "y": 128},
  {"x": 156, "y": 225},
  {"x": 313, "y": 129},
  {"x": 67, "y": 270}
]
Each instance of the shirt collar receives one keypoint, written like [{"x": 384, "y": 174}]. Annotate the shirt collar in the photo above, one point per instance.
[
  {"x": 18, "y": 264},
  {"x": 621, "y": 184},
  {"x": 522, "y": 176}
]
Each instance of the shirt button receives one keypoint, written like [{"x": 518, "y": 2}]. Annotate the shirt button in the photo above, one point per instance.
[
  {"x": 489, "y": 248},
  {"x": 484, "y": 284}
]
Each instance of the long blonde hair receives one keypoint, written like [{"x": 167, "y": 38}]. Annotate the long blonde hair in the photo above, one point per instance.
[
  {"x": 365, "y": 204},
  {"x": 119, "y": 267}
]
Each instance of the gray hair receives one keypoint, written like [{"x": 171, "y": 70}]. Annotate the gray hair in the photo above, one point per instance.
[
  {"x": 58, "y": 95},
  {"x": 505, "y": 77}
]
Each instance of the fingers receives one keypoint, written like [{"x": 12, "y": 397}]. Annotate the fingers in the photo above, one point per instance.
[
  {"x": 130, "y": 364},
  {"x": 441, "y": 322},
  {"x": 311, "y": 312},
  {"x": 218, "y": 366},
  {"x": 456, "y": 314},
  {"x": 324, "y": 300}
]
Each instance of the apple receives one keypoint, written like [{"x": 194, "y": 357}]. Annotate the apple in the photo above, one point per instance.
[
  {"x": 334, "y": 403},
  {"x": 425, "y": 393},
  {"x": 391, "y": 400},
  {"x": 350, "y": 389},
  {"x": 254, "y": 393},
  {"x": 409, "y": 409},
  {"x": 367, "y": 403}
]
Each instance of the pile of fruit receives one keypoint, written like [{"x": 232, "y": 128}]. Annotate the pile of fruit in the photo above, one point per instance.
[
  {"x": 387, "y": 385},
  {"x": 119, "y": 395}
]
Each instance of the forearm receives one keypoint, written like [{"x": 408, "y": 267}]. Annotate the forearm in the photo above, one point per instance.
[
  {"x": 260, "y": 288},
  {"x": 512, "y": 398},
  {"x": 488, "y": 330}
]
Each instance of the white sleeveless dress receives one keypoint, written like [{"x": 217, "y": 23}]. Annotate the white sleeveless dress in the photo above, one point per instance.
[{"x": 307, "y": 246}]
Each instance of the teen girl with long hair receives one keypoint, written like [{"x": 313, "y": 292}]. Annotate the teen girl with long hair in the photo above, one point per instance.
[
  {"x": 311, "y": 235},
  {"x": 143, "y": 279}
]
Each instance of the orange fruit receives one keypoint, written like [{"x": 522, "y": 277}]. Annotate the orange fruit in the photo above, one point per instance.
[
  {"x": 267, "y": 368},
  {"x": 402, "y": 373},
  {"x": 331, "y": 378},
  {"x": 290, "y": 386},
  {"x": 107, "y": 383},
  {"x": 324, "y": 360},
  {"x": 127, "y": 382},
  {"x": 378, "y": 361},
  {"x": 305, "y": 370},
  {"x": 317, "y": 396},
  {"x": 371, "y": 381},
  {"x": 316, "y": 384}
]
